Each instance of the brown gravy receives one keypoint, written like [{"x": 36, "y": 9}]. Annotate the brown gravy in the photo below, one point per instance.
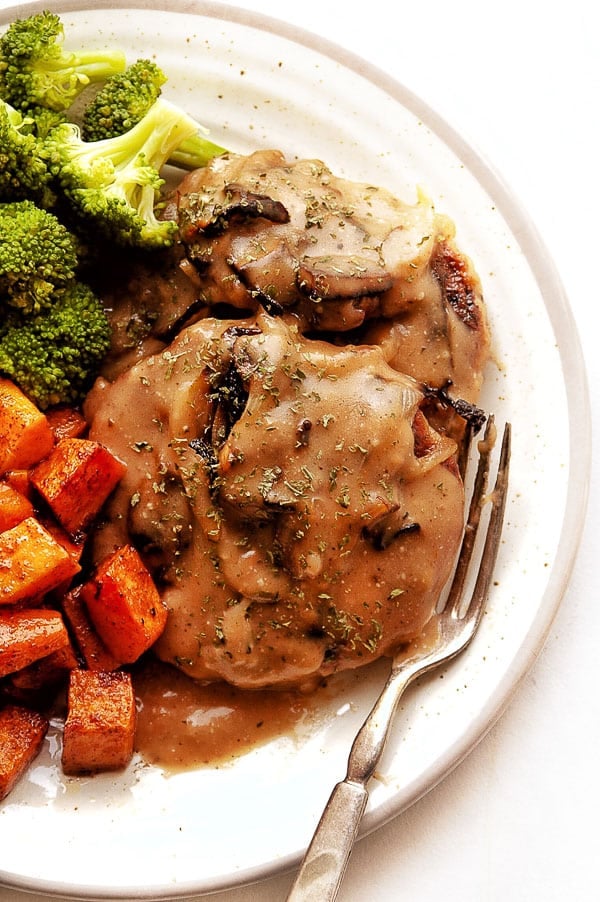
[
  {"x": 184, "y": 724},
  {"x": 288, "y": 492}
]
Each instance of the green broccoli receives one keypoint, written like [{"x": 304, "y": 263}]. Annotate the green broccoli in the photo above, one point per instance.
[
  {"x": 23, "y": 171},
  {"x": 38, "y": 256},
  {"x": 54, "y": 356},
  {"x": 123, "y": 101},
  {"x": 113, "y": 185},
  {"x": 35, "y": 69},
  {"x": 126, "y": 98},
  {"x": 41, "y": 120},
  {"x": 195, "y": 152}
]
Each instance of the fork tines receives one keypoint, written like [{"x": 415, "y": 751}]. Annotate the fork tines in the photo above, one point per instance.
[{"x": 480, "y": 498}]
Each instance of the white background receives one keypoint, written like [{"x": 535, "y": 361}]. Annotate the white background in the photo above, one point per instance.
[{"x": 519, "y": 818}]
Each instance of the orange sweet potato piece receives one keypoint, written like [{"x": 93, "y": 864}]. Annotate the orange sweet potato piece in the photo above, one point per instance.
[
  {"x": 14, "y": 507},
  {"x": 32, "y": 562},
  {"x": 37, "y": 683},
  {"x": 66, "y": 422},
  {"x": 26, "y": 433},
  {"x": 22, "y": 732},
  {"x": 124, "y": 604},
  {"x": 91, "y": 647},
  {"x": 19, "y": 481},
  {"x": 75, "y": 480},
  {"x": 28, "y": 635},
  {"x": 100, "y": 726},
  {"x": 73, "y": 546}
]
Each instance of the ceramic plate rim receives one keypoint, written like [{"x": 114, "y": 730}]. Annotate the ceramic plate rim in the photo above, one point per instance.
[{"x": 573, "y": 372}]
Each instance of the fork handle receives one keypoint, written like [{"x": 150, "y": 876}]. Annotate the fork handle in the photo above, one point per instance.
[{"x": 327, "y": 856}]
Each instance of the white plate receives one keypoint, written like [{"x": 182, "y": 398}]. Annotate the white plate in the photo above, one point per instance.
[{"x": 259, "y": 83}]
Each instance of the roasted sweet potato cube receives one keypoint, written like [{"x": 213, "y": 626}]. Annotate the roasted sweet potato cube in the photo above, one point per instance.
[
  {"x": 29, "y": 634},
  {"x": 19, "y": 481},
  {"x": 73, "y": 546},
  {"x": 39, "y": 682},
  {"x": 22, "y": 732},
  {"x": 47, "y": 670},
  {"x": 75, "y": 480},
  {"x": 124, "y": 605},
  {"x": 89, "y": 644},
  {"x": 32, "y": 562},
  {"x": 100, "y": 726},
  {"x": 26, "y": 433},
  {"x": 14, "y": 507},
  {"x": 66, "y": 422}
]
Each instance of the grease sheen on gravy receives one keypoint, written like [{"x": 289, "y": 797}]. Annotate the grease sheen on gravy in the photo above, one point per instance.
[{"x": 183, "y": 723}]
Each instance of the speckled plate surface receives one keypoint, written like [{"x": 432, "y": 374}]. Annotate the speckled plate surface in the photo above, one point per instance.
[{"x": 259, "y": 83}]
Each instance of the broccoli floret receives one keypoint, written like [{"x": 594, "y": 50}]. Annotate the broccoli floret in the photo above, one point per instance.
[
  {"x": 126, "y": 98},
  {"x": 123, "y": 101},
  {"x": 113, "y": 185},
  {"x": 55, "y": 355},
  {"x": 23, "y": 171},
  {"x": 36, "y": 70},
  {"x": 38, "y": 256},
  {"x": 41, "y": 120}
]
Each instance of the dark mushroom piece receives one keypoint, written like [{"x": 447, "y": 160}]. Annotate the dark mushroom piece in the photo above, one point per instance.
[
  {"x": 237, "y": 204},
  {"x": 458, "y": 284},
  {"x": 292, "y": 237},
  {"x": 341, "y": 277}
]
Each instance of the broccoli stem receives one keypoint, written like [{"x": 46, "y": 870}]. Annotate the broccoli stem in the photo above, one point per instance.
[
  {"x": 154, "y": 137},
  {"x": 194, "y": 153},
  {"x": 89, "y": 67}
]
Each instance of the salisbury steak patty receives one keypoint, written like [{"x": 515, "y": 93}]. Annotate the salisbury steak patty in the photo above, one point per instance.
[{"x": 297, "y": 510}]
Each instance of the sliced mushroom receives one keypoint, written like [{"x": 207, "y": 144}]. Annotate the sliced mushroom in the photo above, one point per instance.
[
  {"x": 459, "y": 284},
  {"x": 341, "y": 277},
  {"x": 236, "y": 203},
  {"x": 267, "y": 267},
  {"x": 394, "y": 525},
  {"x": 263, "y": 231}
]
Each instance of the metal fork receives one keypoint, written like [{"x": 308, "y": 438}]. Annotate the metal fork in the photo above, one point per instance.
[{"x": 325, "y": 861}]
